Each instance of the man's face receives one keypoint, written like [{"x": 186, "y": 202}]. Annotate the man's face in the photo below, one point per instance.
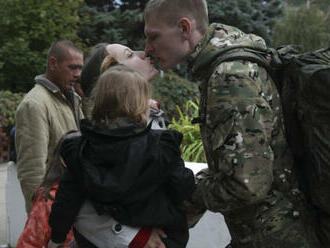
[
  {"x": 164, "y": 43},
  {"x": 67, "y": 71}
]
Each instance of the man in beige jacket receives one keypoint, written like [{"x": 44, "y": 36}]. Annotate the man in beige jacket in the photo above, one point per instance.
[{"x": 48, "y": 111}]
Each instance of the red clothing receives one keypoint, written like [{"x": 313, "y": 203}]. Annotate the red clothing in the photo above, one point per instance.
[
  {"x": 36, "y": 233},
  {"x": 141, "y": 238}
]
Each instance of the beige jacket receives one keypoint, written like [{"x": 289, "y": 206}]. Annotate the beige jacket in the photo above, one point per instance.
[{"x": 42, "y": 118}]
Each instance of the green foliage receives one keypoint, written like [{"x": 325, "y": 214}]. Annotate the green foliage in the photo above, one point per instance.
[
  {"x": 106, "y": 5},
  {"x": 192, "y": 146},
  {"x": 322, "y": 4},
  {"x": 28, "y": 27},
  {"x": 308, "y": 27},
  {"x": 102, "y": 5},
  {"x": 251, "y": 16},
  {"x": 123, "y": 26},
  {"x": 8, "y": 104},
  {"x": 133, "y": 4},
  {"x": 172, "y": 90}
]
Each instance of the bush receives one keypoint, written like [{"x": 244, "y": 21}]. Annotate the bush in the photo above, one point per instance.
[
  {"x": 171, "y": 91},
  {"x": 28, "y": 28},
  {"x": 8, "y": 104},
  {"x": 306, "y": 26},
  {"x": 192, "y": 146}
]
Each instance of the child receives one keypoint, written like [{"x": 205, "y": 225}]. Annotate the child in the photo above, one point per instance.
[{"x": 124, "y": 168}]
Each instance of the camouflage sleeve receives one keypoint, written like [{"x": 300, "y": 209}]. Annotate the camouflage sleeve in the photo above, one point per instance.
[{"x": 236, "y": 138}]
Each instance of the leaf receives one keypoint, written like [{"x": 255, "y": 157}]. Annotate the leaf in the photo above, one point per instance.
[{"x": 192, "y": 147}]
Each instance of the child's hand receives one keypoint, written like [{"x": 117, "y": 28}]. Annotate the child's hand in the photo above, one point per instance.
[{"x": 155, "y": 239}]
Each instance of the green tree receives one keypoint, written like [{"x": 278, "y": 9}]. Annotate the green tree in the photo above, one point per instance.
[
  {"x": 28, "y": 27},
  {"x": 323, "y": 4},
  {"x": 133, "y": 4},
  {"x": 107, "y": 5},
  {"x": 251, "y": 16},
  {"x": 114, "y": 26},
  {"x": 306, "y": 26},
  {"x": 102, "y": 5},
  {"x": 120, "y": 23}
]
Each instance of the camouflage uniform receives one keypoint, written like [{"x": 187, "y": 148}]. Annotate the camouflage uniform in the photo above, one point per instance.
[{"x": 250, "y": 179}]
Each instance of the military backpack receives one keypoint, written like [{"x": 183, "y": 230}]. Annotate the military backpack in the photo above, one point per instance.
[{"x": 303, "y": 82}]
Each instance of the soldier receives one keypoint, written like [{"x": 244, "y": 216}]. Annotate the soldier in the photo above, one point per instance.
[{"x": 251, "y": 179}]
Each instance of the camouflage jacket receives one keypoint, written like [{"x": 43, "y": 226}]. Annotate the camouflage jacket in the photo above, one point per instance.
[{"x": 250, "y": 179}]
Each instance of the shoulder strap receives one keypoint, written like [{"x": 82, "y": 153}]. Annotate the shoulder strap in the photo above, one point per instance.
[
  {"x": 248, "y": 54},
  {"x": 256, "y": 55}
]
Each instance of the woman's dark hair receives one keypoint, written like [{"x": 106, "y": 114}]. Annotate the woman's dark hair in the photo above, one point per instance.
[
  {"x": 91, "y": 69},
  {"x": 56, "y": 167}
]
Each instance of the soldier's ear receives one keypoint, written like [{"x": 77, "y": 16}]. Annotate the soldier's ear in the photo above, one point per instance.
[{"x": 185, "y": 27}]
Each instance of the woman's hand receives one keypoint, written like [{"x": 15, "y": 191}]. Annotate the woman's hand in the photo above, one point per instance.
[{"x": 155, "y": 239}]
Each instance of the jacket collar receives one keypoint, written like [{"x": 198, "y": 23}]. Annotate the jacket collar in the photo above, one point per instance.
[
  {"x": 42, "y": 80},
  {"x": 93, "y": 132},
  {"x": 45, "y": 82}
]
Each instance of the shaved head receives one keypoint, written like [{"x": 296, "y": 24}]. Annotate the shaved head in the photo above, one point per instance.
[
  {"x": 171, "y": 11},
  {"x": 59, "y": 50}
]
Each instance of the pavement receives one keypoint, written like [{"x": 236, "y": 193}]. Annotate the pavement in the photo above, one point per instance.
[
  {"x": 3, "y": 216},
  {"x": 12, "y": 209},
  {"x": 211, "y": 231}
]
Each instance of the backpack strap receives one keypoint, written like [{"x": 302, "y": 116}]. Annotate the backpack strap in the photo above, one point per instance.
[
  {"x": 263, "y": 57},
  {"x": 231, "y": 53}
]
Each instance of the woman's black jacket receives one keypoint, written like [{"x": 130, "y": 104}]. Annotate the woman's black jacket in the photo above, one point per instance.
[{"x": 134, "y": 174}]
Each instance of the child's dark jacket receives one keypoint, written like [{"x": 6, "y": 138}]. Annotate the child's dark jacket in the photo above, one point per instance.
[{"x": 134, "y": 174}]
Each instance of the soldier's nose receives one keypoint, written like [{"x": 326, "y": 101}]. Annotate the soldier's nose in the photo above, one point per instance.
[{"x": 148, "y": 50}]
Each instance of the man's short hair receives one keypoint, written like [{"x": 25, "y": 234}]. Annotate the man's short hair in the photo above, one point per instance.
[
  {"x": 171, "y": 11},
  {"x": 60, "y": 48}
]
